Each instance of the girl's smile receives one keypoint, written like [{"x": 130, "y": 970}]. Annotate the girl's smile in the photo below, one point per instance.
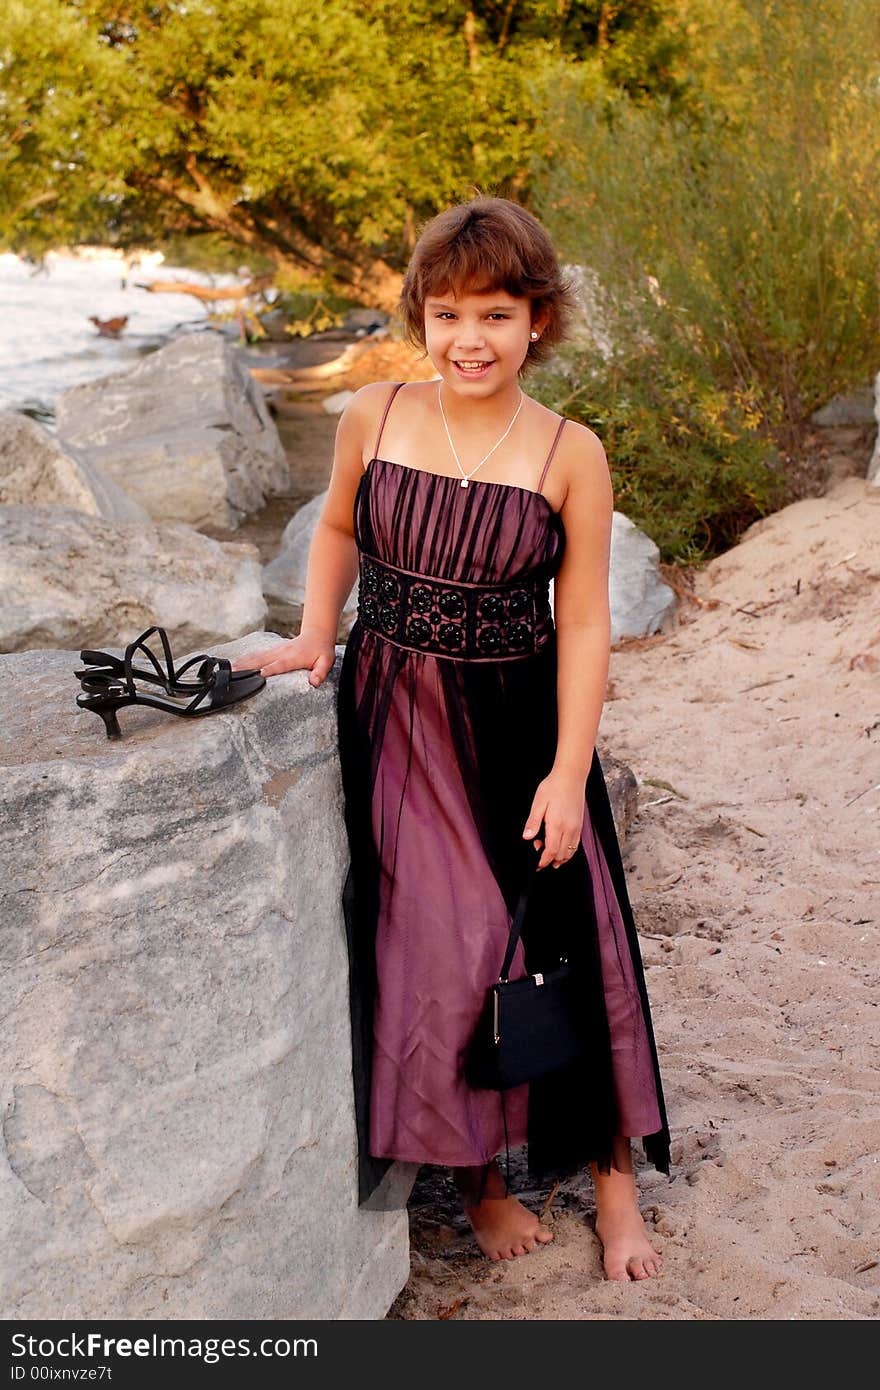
[{"x": 472, "y": 369}]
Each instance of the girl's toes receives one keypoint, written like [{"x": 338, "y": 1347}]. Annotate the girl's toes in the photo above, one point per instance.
[
  {"x": 618, "y": 1274},
  {"x": 637, "y": 1269}
]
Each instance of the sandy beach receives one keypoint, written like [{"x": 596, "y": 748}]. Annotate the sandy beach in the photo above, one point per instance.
[{"x": 753, "y": 864}]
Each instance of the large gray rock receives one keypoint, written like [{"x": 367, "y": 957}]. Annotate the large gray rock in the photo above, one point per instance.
[
  {"x": 284, "y": 578},
  {"x": 640, "y": 601},
  {"x": 186, "y": 432},
  {"x": 35, "y": 469},
  {"x": 72, "y": 580},
  {"x": 588, "y": 329},
  {"x": 850, "y": 408},
  {"x": 176, "y": 1074},
  {"x": 874, "y": 465}
]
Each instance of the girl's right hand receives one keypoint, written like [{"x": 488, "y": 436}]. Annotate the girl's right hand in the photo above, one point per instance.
[{"x": 309, "y": 649}]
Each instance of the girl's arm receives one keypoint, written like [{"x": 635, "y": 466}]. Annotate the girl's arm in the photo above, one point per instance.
[
  {"x": 581, "y": 607},
  {"x": 582, "y": 616}
]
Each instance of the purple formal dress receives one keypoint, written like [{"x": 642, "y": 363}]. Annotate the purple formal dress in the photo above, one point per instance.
[{"x": 447, "y": 722}]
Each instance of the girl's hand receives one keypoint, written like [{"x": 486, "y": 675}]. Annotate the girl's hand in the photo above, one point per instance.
[
  {"x": 560, "y": 803},
  {"x": 310, "y": 648}
]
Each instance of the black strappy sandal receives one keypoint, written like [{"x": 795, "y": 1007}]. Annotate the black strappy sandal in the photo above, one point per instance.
[
  {"x": 109, "y": 667},
  {"x": 105, "y": 691}
]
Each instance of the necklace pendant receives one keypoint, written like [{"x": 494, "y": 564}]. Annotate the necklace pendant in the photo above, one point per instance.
[{"x": 463, "y": 483}]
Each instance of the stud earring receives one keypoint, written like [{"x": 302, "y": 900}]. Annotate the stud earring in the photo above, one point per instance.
[{"x": 533, "y": 334}]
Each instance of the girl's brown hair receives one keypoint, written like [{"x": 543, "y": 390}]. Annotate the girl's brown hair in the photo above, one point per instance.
[{"x": 482, "y": 245}]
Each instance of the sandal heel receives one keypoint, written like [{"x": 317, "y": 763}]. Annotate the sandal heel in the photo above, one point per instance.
[
  {"x": 111, "y": 723},
  {"x": 106, "y": 707}
]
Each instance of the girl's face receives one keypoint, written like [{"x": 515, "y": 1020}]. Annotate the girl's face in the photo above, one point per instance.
[{"x": 478, "y": 342}]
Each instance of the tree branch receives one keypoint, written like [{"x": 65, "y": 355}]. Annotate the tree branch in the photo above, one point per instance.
[
  {"x": 505, "y": 26},
  {"x": 470, "y": 38}
]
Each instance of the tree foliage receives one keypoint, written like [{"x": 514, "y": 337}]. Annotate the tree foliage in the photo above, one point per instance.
[{"x": 316, "y": 136}]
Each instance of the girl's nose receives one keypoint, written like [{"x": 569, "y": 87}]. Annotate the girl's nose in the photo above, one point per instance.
[{"x": 470, "y": 341}]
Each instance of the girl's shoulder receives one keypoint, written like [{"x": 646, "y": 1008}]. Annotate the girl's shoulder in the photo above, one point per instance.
[
  {"x": 370, "y": 400},
  {"x": 376, "y": 390}
]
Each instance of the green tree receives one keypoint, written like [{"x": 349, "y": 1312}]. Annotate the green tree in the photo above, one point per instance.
[{"x": 315, "y": 136}]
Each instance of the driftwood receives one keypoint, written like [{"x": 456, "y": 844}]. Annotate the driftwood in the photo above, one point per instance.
[
  {"x": 256, "y": 286},
  {"x": 295, "y": 376}
]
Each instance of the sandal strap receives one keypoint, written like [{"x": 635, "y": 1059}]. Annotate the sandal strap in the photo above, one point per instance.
[
  {"x": 116, "y": 666},
  {"x": 139, "y": 644},
  {"x": 99, "y": 658},
  {"x": 216, "y": 682}
]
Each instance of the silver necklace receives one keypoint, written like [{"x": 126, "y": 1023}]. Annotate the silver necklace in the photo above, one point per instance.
[{"x": 465, "y": 477}]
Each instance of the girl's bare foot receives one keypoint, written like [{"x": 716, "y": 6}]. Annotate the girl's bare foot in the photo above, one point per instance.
[
  {"x": 504, "y": 1228},
  {"x": 627, "y": 1252}
]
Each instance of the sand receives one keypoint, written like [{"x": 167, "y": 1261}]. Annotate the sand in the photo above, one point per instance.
[{"x": 753, "y": 865}]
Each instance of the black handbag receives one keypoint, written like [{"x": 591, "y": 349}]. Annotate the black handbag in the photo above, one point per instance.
[{"x": 528, "y": 1027}]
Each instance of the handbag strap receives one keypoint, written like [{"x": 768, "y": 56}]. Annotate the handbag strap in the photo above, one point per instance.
[{"x": 519, "y": 915}]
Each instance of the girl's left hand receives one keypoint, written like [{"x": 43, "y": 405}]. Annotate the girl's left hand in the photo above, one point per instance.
[{"x": 560, "y": 803}]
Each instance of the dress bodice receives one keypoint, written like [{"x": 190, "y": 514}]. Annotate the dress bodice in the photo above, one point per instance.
[
  {"x": 455, "y": 571},
  {"x": 486, "y": 532}
]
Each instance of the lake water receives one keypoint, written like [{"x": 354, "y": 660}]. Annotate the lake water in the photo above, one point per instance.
[{"x": 47, "y": 343}]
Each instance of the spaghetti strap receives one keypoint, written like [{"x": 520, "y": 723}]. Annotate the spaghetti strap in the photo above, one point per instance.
[
  {"x": 394, "y": 390},
  {"x": 552, "y": 452}
]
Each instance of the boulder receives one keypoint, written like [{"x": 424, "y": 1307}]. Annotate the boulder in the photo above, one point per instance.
[
  {"x": 74, "y": 580},
  {"x": 641, "y": 603},
  {"x": 34, "y": 468},
  {"x": 284, "y": 578},
  {"x": 588, "y": 330},
  {"x": 874, "y": 465},
  {"x": 846, "y": 408},
  {"x": 186, "y": 432},
  {"x": 176, "y": 1080}
]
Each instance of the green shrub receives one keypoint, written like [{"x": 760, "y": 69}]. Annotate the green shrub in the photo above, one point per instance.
[
  {"x": 686, "y": 466},
  {"x": 734, "y": 243}
]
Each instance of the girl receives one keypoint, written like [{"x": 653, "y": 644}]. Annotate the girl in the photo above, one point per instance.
[{"x": 467, "y": 717}]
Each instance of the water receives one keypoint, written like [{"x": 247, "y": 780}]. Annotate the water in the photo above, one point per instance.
[{"x": 47, "y": 343}]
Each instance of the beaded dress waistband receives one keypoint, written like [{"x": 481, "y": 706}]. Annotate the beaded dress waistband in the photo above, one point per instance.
[{"x": 445, "y": 617}]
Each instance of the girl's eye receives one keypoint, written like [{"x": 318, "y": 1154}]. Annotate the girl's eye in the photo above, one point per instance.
[{"x": 444, "y": 313}]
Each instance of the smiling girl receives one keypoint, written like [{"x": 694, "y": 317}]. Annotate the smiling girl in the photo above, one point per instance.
[{"x": 468, "y": 711}]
